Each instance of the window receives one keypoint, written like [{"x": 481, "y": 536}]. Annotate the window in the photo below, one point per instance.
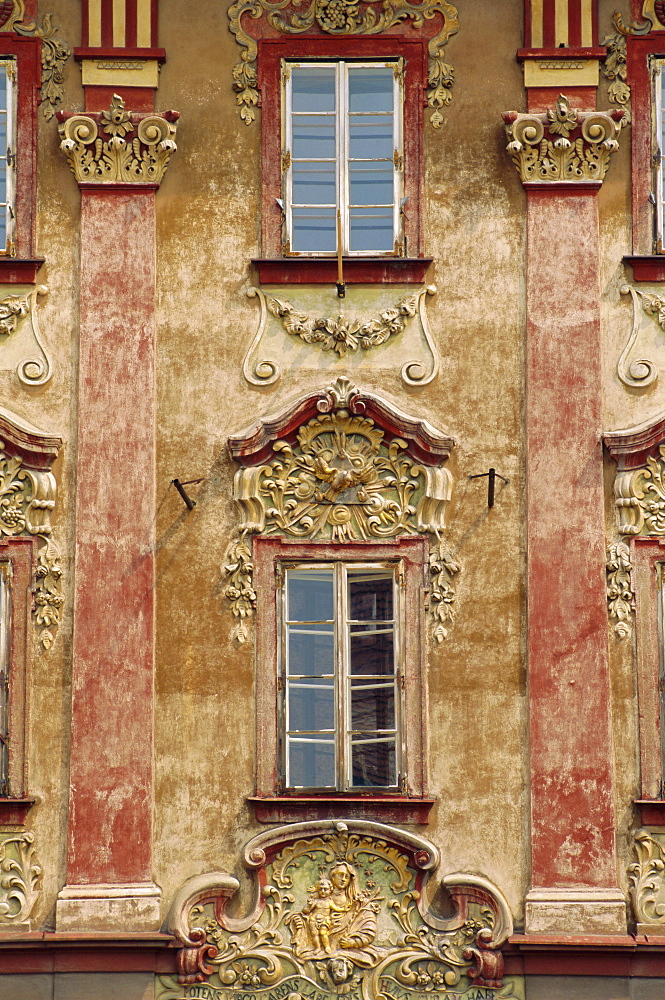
[
  {"x": 339, "y": 676},
  {"x": 659, "y": 147},
  {"x": 343, "y": 157},
  {"x": 7, "y": 154}
]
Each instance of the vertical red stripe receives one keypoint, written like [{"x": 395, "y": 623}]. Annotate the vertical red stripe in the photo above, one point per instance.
[
  {"x": 107, "y": 23},
  {"x": 574, "y": 23},
  {"x": 528, "y": 40},
  {"x": 549, "y": 35},
  {"x": 594, "y": 22},
  {"x": 130, "y": 24},
  {"x": 85, "y": 28},
  {"x": 153, "y": 23}
]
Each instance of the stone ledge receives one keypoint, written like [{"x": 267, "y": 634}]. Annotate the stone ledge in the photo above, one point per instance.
[
  {"x": 112, "y": 907},
  {"x": 575, "y": 910}
]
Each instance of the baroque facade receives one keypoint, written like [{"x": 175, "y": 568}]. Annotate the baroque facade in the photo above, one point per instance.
[{"x": 332, "y": 500}]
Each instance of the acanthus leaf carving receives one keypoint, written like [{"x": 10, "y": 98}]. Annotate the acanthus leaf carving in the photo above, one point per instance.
[
  {"x": 341, "y": 476},
  {"x": 647, "y": 876},
  {"x": 137, "y": 151},
  {"x": 343, "y": 17},
  {"x": 54, "y": 55},
  {"x": 19, "y": 875},
  {"x": 563, "y": 144},
  {"x": 341, "y": 909}
]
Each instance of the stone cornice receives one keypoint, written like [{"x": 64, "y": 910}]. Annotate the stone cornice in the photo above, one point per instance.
[
  {"x": 118, "y": 146},
  {"x": 562, "y": 144}
]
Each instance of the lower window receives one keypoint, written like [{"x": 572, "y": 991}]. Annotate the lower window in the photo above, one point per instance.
[{"x": 339, "y": 676}]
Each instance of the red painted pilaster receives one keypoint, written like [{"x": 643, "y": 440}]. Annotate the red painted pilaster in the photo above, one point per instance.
[{"x": 109, "y": 864}]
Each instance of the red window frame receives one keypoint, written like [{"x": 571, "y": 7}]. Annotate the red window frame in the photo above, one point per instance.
[
  {"x": 408, "y": 804},
  {"x": 271, "y": 52}
]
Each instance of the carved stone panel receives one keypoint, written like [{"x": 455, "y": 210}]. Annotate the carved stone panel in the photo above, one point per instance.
[
  {"x": 647, "y": 876},
  {"x": 19, "y": 878},
  {"x": 340, "y": 909},
  {"x": 21, "y": 345},
  {"x": 312, "y": 329}
]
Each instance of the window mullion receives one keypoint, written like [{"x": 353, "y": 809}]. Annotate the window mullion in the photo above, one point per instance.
[
  {"x": 343, "y": 152},
  {"x": 287, "y": 187},
  {"x": 341, "y": 678},
  {"x": 398, "y": 159}
]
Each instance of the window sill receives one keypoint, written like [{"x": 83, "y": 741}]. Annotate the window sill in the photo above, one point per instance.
[
  {"x": 389, "y": 809},
  {"x": 651, "y": 811},
  {"x": 19, "y": 271},
  {"x": 14, "y": 812},
  {"x": 647, "y": 268},
  {"x": 357, "y": 270}
]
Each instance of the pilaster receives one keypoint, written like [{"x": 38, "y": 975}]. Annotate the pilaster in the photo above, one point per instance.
[
  {"x": 562, "y": 155},
  {"x": 118, "y": 158}
]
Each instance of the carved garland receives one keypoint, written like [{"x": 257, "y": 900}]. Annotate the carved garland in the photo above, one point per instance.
[
  {"x": 137, "y": 150},
  {"x": 343, "y": 17},
  {"x": 54, "y": 51},
  {"x": 341, "y": 479},
  {"x": 563, "y": 144},
  {"x": 342, "y": 912},
  {"x": 620, "y": 593}
]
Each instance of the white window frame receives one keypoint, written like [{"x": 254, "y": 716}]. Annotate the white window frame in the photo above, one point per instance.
[
  {"x": 343, "y": 733},
  {"x": 342, "y": 155},
  {"x": 657, "y": 66},
  {"x": 8, "y": 206}
]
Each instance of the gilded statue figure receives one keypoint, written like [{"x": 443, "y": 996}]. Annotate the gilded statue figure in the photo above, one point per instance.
[{"x": 338, "y": 918}]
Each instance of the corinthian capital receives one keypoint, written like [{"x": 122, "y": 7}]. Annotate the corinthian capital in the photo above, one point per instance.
[
  {"x": 563, "y": 143},
  {"x": 118, "y": 146}
]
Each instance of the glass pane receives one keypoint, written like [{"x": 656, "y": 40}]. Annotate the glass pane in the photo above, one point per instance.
[
  {"x": 311, "y": 706},
  {"x": 313, "y": 88},
  {"x": 371, "y": 89},
  {"x": 372, "y": 653},
  {"x": 314, "y": 230},
  {"x": 3, "y": 86},
  {"x": 374, "y": 763},
  {"x": 371, "y": 184},
  {"x": 313, "y": 184},
  {"x": 310, "y": 654},
  {"x": 372, "y": 231},
  {"x": 313, "y": 138},
  {"x": 370, "y": 595},
  {"x": 3, "y": 133},
  {"x": 372, "y": 708},
  {"x": 371, "y": 137},
  {"x": 311, "y": 764},
  {"x": 309, "y": 595}
]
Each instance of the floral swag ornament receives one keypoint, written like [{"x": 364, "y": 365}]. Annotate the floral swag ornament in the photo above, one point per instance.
[
  {"x": 54, "y": 51},
  {"x": 343, "y": 17},
  {"x": 338, "y": 910},
  {"x": 360, "y": 469}
]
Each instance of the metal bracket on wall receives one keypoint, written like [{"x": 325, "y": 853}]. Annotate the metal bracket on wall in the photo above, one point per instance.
[{"x": 492, "y": 476}]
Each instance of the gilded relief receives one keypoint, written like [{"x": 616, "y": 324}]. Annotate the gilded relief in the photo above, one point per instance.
[{"x": 341, "y": 912}]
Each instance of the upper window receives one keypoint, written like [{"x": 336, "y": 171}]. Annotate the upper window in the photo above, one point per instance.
[
  {"x": 340, "y": 676},
  {"x": 659, "y": 148},
  {"x": 343, "y": 160}
]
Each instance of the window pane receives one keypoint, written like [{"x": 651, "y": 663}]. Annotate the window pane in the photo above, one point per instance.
[
  {"x": 314, "y": 230},
  {"x": 310, "y": 654},
  {"x": 373, "y": 763},
  {"x": 371, "y": 137},
  {"x": 372, "y": 653},
  {"x": 313, "y": 88},
  {"x": 370, "y": 595},
  {"x": 311, "y": 763},
  {"x": 310, "y": 595},
  {"x": 372, "y": 231},
  {"x": 371, "y": 89},
  {"x": 313, "y": 138},
  {"x": 314, "y": 184},
  {"x": 372, "y": 708},
  {"x": 371, "y": 184},
  {"x": 311, "y": 706}
]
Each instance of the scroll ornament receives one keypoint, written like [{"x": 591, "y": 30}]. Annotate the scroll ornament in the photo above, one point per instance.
[
  {"x": 19, "y": 875},
  {"x": 343, "y": 17},
  {"x": 137, "y": 150},
  {"x": 341, "y": 912},
  {"x": 620, "y": 594},
  {"x": 563, "y": 144},
  {"x": 54, "y": 51},
  {"x": 341, "y": 479},
  {"x": 27, "y": 497},
  {"x": 642, "y": 373},
  {"x": 640, "y": 497},
  {"x": 647, "y": 876},
  {"x": 14, "y": 311}
]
